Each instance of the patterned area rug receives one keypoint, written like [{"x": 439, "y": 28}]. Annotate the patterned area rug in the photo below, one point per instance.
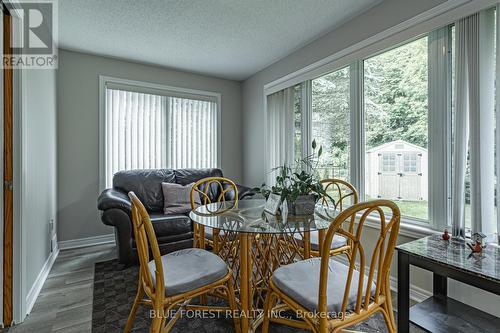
[{"x": 114, "y": 292}]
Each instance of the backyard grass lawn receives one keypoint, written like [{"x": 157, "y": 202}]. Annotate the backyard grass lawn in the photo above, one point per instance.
[
  {"x": 416, "y": 209},
  {"x": 419, "y": 209}
]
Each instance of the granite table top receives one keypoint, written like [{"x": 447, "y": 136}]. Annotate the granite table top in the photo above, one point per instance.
[{"x": 456, "y": 254}]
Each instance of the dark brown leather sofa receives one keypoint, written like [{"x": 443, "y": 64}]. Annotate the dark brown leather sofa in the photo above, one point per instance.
[{"x": 174, "y": 232}]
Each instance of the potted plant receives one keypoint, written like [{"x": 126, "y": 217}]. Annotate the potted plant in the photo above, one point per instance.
[{"x": 298, "y": 186}]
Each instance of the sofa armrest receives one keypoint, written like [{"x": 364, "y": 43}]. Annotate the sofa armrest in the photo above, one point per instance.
[{"x": 114, "y": 198}]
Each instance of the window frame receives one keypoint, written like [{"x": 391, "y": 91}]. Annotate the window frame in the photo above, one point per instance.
[
  {"x": 156, "y": 89},
  {"x": 439, "y": 188}
]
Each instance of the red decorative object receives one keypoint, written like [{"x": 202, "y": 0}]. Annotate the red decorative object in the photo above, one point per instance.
[
  {"x": 476, "y": 248},
  {"x": 446, "y": 235},
  {"x": 477, "y": 242}
]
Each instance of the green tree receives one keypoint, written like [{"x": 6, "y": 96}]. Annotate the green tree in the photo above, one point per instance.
[
  {"x": 331, "y": 118},
  {"x": 396, "y": 95}
]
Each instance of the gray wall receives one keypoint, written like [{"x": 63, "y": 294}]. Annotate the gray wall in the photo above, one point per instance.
[
  {"x": 78, "y": 130},
  {"x": 39, "y": 167},
  {"x": 381, "y": 17}
]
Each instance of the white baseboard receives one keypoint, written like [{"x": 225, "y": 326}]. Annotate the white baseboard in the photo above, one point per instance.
[
  {"x": 416, "y": 293},
  {"x": 89, "y": 241},
  {"x": 40, "y": 280}
]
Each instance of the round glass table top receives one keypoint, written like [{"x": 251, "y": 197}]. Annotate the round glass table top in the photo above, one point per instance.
[{"x": 249, "y": 216}]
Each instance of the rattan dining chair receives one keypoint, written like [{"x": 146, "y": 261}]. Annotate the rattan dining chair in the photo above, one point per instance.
[
  {"x": 206, "y": 191},
  {"x": 329, "y": 295},
  {"x": 342, "y": 194},
  {"x": 169, "y": 282}
]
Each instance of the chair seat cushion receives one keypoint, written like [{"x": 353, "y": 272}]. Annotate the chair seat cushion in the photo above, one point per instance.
[
  {"x": 300, "y": 281},
  {"x": 168, "y": 225},
  {"x": 189, "y": 269},
  {"x": 337, "y": 241}
]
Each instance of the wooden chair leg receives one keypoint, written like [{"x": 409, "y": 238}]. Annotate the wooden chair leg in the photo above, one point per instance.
[
  {"x": 388, "y": 322},
  {"x": 388, "y": 304},
  {"x": 267, "y": 311},
  {"x": 215, "y": 236},
  {"x": 163, "y": 323},
  {"x": 159, "y": 314},
  {"x": 157, "y": 320},
  {"x": 195, "y": 235},
  {"x": 133, "y": 311},
  {"x": 232, "y": 305}
]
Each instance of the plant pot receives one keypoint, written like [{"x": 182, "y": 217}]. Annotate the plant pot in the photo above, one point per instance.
[{"x": 303, "y": 205}]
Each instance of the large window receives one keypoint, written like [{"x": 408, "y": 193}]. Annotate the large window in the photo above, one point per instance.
[
  {"x": 146, "y": 127},
  {"x": 399, "y": 124},
  {"x": 372, "y": 119},
  {"x": 396, "y": 133}
]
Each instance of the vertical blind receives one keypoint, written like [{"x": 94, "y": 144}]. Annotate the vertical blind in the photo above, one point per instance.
[
  {"x": 150, "y": 131},
  {"x": 191, "y": 133}
]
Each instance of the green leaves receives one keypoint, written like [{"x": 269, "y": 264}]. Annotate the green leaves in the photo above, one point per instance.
[{"x": 291, "y": 183}]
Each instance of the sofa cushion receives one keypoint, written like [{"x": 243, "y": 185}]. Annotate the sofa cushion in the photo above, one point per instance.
[
  {"x": 146, "y": 184},
  {"x": 177, "y": 198},
  {"x": 187, "y": 176},
  {"x": 166, "y": 225}
]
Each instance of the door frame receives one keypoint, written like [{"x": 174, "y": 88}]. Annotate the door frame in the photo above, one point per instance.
[
  {"x": 18, "y": 155},
  {"x": 1, "y": 173}
]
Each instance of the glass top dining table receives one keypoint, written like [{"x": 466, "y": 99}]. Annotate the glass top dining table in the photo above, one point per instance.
[
  {"x": 249, "y": 216},
  {"x": 244, "y": 233}
]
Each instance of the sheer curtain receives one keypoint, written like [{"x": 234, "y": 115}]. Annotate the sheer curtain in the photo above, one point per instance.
[
  {"x": 151, "y": 131},
  {"x": 474, "y": 122},
  {"x": 280, "y": 130}
]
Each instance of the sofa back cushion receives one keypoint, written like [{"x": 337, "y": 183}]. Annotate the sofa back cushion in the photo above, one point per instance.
[
  {"x": 187, "y": 176},
  {"x": 146, "y": 183}
]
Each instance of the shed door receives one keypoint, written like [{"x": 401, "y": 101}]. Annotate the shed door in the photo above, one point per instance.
[
  {"x": 388, "y": 175},
  {"x": 411, "y": 176},
  {"x": 400, "y": 175}
]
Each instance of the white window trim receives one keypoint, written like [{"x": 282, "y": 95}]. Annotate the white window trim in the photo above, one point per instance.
[{"x": 105, "y": 80}]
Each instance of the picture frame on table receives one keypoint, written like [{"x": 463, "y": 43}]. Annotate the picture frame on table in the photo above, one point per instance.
[{"x": 273, "y": 203}]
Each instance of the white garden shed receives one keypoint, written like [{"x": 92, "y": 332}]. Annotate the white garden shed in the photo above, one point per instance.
[{"x": 397, "y": 170}]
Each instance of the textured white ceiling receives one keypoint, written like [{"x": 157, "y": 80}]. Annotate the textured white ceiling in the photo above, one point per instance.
[{"x": 225, "y": 38}]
